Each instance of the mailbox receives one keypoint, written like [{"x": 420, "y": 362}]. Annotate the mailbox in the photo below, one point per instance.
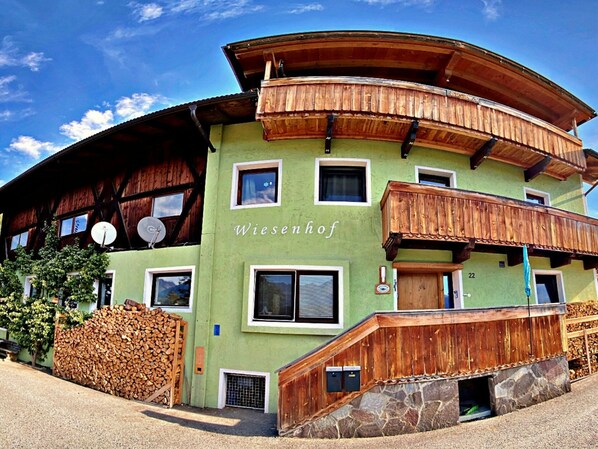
[
  {"x": 352, "y": 378},
  {"x": 334, "y": 379}
]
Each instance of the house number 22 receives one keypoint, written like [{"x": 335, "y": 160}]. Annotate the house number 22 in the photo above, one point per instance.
[{"x": 471, "y": 275}]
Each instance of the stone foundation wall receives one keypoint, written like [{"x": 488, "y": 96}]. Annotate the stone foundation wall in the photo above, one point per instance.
[
  {"x": 407, "y": 407},
  {"x": 516, "y": 388}
]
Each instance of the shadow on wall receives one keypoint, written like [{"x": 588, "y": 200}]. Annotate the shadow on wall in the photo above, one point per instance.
[{"x": 227, "y": 421}]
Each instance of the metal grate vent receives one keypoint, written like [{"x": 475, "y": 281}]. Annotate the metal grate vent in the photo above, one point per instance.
[{"x": 246, "y": 391}]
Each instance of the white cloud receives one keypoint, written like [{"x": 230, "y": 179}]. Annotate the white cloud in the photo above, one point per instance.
[
  {"x": 92, "y": 122},
  {"x": 10, "y": 56},
  {"x": 2, "y": 182},
  {"x": 309, "y": 7},
  {"x": 213, "y": 10},
  {"x": 136, "y": 105},
  {"x": 11, "y": 93},
  {"x": 126, "y": 108},
  {"x": 31, "y": 147},
  {"x": 145, "y": 12},
  {"x": 8, "y": 115},
  {"x": 420, "y": 3},
  {"x": 491, "y": 9}
]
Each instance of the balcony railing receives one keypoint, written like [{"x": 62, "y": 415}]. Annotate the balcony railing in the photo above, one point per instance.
[
  {"x": 420, "y": 213},
  {"x": 404, "y": 345},
  {"x": 367, "y": 108}
]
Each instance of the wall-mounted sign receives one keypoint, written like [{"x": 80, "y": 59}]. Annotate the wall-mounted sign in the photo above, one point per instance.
[{"x": 309, "y": 228}]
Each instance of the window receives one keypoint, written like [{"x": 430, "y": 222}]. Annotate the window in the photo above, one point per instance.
[
  {"x": 256, "y": 184},
  {"x": 105, "y": 290},
  {"x": 548, "y": 287},
  {"x": 19, "y": 240},
  {"x": 30, "y": 290},
  {"x": 169, "y": 288},
  {"x": 73, "y": 225},
  {"x": 537, "y": 197},
  {"x": 343, "y": 182},
  {"x": 245, "y": 389},
  {"x": 168, "y": 205},
  {"x": 435, "y": 177},
  {"x": 308, "y": 296}
]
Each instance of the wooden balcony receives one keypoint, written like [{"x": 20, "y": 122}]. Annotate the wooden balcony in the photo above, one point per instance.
[
  {"x": 415, "y": 215},
  {"x": 405, "y": 345},
  {"x": 378, "y": 109}
]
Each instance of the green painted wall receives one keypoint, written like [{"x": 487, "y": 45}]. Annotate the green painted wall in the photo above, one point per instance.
[{"x": 354, "y": 244}]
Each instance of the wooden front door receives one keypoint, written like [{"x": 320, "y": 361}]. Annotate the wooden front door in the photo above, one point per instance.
[{"x": 420, "y": 291}]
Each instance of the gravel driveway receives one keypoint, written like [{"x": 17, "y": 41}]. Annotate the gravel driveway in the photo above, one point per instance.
[{"x": 41, "y": 411}]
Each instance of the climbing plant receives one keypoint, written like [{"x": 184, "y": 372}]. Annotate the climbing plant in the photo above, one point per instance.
[{"x": 66, "y": 273}]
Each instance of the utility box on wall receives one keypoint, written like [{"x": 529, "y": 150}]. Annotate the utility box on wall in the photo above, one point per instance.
[
  {"x": 352, "y": 378},
  {"x": 334, "y": 379}
]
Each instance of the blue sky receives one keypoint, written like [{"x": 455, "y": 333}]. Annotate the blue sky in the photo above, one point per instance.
[{"x": 70, "y": 68}]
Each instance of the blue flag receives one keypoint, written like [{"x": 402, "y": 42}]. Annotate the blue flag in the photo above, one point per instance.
[{"x": 527, "y": 272}]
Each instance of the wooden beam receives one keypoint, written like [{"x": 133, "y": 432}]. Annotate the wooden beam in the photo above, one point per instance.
[
  {"x": 463, "y": 254},
  {"x": 391, "y": 246},
  {"x": 444, "y": 74},
  {"x": 560, "y": 260},
  {"x": 515, "y": 258},
  {"x": 590, "y": 262},
  {"x": 329, "y": 129},
  {"x": 426, "y": 267},
  {"x": 409, "y": 139},
  {"x": 482, "y": 154},
  {"x": 537, "y": 169}
]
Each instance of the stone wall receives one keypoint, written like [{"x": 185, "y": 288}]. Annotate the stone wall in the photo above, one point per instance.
[
  {"x": 390, "y": 409},
  {"x": 520, "y": 387},
  {"x": 416, "y": 406}
]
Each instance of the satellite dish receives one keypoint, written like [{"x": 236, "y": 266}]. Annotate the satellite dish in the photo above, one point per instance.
[
  {"x": 152, "y": 230},
  {"x": 103, "y": 233}
]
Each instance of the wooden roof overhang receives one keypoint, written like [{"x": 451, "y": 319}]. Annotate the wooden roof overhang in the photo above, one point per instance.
[
  {"x": 124, "y": 144},
  {"x": 370, "y": 108},
  {"x": 423, "y": 59},
  {"x": 591, "y": 174},
  {"x": 429, "y": 217}
]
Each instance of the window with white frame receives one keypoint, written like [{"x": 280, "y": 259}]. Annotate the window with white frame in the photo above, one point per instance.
[
  {"x": 295, "y": 295},
  {"x": 73, "y": 225},
  {"x": 167, "y": 205},
  {"x": 435, "y": 177},
  {"x": 104, "y": 290},
  {"x": 343, "y": 182},
  {"x": 19, "y": 240},
  {"x": 169, "y": 288},
  {"x": 536, "y": 196},
  {"x": 548, "y": 286},
  {"x": 29, "y": 289},
  {"x": 256, "y": 184},
  {"x": 245, "y": 389}
]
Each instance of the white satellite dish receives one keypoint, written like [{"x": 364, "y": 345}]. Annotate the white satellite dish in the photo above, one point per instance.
[
  {"x": 152, "y": 230},
  {"x": 103, "y": 233}
]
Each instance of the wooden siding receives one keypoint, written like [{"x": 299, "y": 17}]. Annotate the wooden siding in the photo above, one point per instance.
[
  {"x": 424, "y": 212},
  {"x": 403, "y": 345},
  {"x": 291, "y": 108},
  {"x": 123, "y": 197}
]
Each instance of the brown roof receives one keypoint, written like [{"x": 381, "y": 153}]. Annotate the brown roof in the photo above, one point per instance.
[
  {"x": 123, "y": 144},
  {"x": 429, "y": 60}
]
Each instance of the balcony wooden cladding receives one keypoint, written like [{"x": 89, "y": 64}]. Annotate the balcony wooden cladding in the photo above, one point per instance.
[
  {"x": 422, "y": 212},
  {"x": 399, "y": 345},
  {"x": 367, "y": 108}
]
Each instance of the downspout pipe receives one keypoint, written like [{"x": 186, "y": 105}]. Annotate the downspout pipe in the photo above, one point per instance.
[{"x": 205, "y": 137}]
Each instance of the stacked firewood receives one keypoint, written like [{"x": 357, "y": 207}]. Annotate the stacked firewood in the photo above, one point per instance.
[
  {"x": 577, "y": 352},
  {"x": 125, "y": 350}
]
